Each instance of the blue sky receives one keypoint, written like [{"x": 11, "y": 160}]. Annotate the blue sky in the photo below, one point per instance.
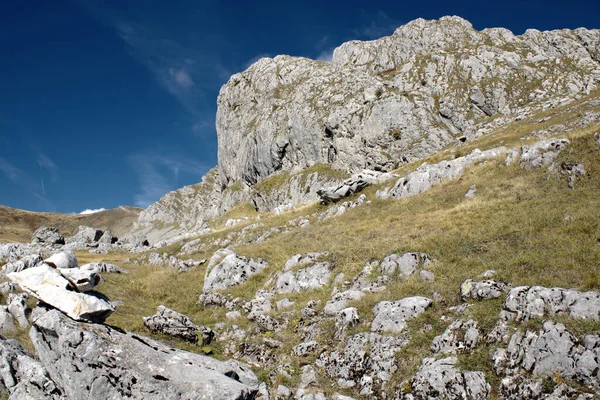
[{"x": 108, "y": 103}]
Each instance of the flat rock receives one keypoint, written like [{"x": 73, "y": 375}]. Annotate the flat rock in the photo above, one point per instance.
[
  {"x": 482, "y": 290},
  {"x": 48, "y": 285},
  {"x": 310, "y": 278},
  {"x": 391, "y": 316},
  {"x": 460, "y": 336},
  {"x": 91, "y": 361},
  {"x": 230, "y": 271},
  {"x": 172, "y": 323},
  {"x": 442, "y": 379}
]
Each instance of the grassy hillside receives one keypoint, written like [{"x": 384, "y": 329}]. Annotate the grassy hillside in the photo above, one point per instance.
[
  {"x": 528, "y": 225},
  {"x": 18, "y": 225}
]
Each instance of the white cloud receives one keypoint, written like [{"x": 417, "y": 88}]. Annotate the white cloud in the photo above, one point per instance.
[
  {"x": 181, "y": 78},
  {"x": 326, "y": 55},
  {"x": 10, "y": 171},
  {"x": 380, "y": 25},
  {"x": 91, "y": 211}
]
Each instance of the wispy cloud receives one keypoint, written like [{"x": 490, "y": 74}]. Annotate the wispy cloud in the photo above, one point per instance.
[
  {"x": 91, "y": 211},
  {"x": 24, "y": 181},
  {"x": 158, "y": 174},
  {"x": 326, "y": 55},
  {"x": 379, "y": 25}
]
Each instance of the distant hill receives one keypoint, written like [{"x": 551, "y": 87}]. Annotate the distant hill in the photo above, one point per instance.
[{"x": 17, "y": 225}]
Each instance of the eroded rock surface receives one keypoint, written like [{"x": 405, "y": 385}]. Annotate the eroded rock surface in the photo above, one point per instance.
[
  {"x": 230, "y": 271},
  {"x": 97, "y": 361}
]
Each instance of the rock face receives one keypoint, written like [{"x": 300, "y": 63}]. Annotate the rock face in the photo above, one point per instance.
[
  {"x": 97, "y": 361},
  {"x": 50, "y": 286},
  {"x": 175, "y": 324},
  {"x": 377, "y": 105},
  {"x": 230, "y": 271},
  {"x": 352, "y": 185},
  {"x": 374, "y": 106},
  {"x": 45, "y": 235},
  {"x": 24, "y": 377}
]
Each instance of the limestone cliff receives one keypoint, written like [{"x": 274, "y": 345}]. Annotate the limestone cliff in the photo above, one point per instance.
[{"x": 377, "y": 105}]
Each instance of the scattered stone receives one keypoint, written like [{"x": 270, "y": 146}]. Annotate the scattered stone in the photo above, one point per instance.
[
  {"x": 233, "y": 315},
  {"x": 369, "y": 355},
  {"x": 523, "y": 303},
  {"x": 30, "y": 261},
  {"x": 482, "y": 290},
  {"x": 391, "y": 316},
  {"x": 308, "y": 376},
  {"x": 283, "y": 393},
  {"x": 487, "y": 274},
  {"x": 45, "y": 235},
  {"x": 48, "y": 285},
  {"x": 309, "y": 278},
  {"x": 230, "y": 271},
  {"x": 339, "y": 301},
  {"x": 352, "y": 185},
  {"x": 441, "y": 379},
  {"x": 7, "y": 287},
  {"x": 427, "y": 276},
  {"x": 405, "y": 265},
  {"x": 213, "y": 299},
  {"x": 284, "y": 303},
  {"x": 305, "y": 348},
  {"x": 541, "y": 154},
  {"x": 460, "y": 336},
  {"x": 346, "y": 319},
  {"x": 471, "y": 193},
  {"x": 172, "y": 323},
  {"x": 100, "y": 362},
  {"x": 63, "y": 260}
]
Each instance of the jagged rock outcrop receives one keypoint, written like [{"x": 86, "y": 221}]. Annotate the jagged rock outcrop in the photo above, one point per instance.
[
  {"x": 29, "y": 261},
  {"x": 377, "y": 105},
  {"x": 392, "y": 316},
  {"x": 172, "y": 323},
  {"x": 45, "y": 235},
  {"x": 354, "y": 184},
  {"x": 100, "y": 362}
]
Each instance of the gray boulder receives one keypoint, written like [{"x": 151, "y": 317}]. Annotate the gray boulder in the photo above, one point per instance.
[
  {"x": 404, "y": 265},
  {"x": 524, "y": 302},
  {"x": 549, "y": 351},
  {"x": 339, "y": 301},
  {"x": 230, "y": 271},
  {"x": 541, "y": 154},
  {"x": 29, "y": 261},
  {"x": 352, "y": 185},
  {"x": 482, "y": 290},
  {"x": 460, "y": 336},
  {"x": 442, "y": 379},
  {"x": 364, "y": 355},
  {"x": 108, "y": 238},
  {"x": 305, "y": 348},
  {"x": 45, "y": 235},
  {"x": 314, "y": 277},
  {"x": 392, "y": 316},
  {"x": 80, "y": 280},
  {"x": 84, "y": 235},
  {"x": 48, "y": 285},
  {"x": 172, "y": 323},
  {"x": 99, "y": 362},
  {"x": 63, "y": 260},
  {"x": 14, "y": 251}
]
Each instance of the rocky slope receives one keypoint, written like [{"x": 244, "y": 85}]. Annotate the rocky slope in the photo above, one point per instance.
[
  {"x": 377, "y": 105},
  {"x": 18, "y": 225}
]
